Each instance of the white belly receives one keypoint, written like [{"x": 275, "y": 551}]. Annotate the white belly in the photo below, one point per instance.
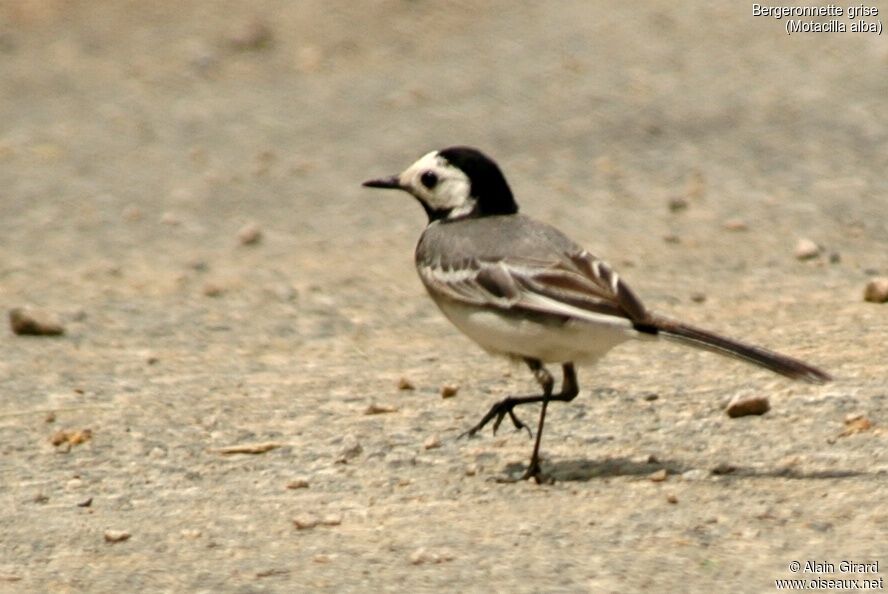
[{"x": 578, "y": 341}]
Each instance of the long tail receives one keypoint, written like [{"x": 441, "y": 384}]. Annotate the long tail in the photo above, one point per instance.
[{"x": 703, "y": 339}]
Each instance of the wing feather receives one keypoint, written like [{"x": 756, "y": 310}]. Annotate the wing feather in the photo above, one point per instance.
[{"x": 577, "y": 286}]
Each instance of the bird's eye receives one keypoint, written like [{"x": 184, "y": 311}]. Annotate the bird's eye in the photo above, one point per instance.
[{"x": 429, "y": 179}]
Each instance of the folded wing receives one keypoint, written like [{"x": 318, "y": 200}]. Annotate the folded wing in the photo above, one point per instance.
[{"x": 577, "y": 286}]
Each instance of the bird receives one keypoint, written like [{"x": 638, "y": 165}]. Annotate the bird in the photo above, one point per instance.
[{"x": 520, "y": 288}]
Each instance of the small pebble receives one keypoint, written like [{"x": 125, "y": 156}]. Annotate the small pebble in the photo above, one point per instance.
[
  {"x": 855, "y": 423},
  {"x": 254, "y": 35},
  {"x": 741, "y": 406},
  {"x": 156, "y": 453},
  {"x": 651, "y": 397},
  {"x": 86, "y": 502},
  {"x": 472, "y": 470},
  {"x": 423, "y": 556},
  {"x": 249, "y": 234},
  {"x": 658, "y": 476},
  {"x": 876, "y": 290},
  {"x": 132, "y": 213},
  {"x": 672, "y": 238},
  {"x": 806, "y": 249},
  {"x": 525, "y": 529},
  {"x": 299, "y": 483},
  {"x": 405, "y": 384},
  {"x": 678, "y": 204},
  {"x": 698, "y": 297},
  {"x": 308, "y": 521},
  {"x": 449, "y": 391},
  {"x": 211, "y": 289},
  {"x": 169, "y": 218},
  {"x": 27, "y": 322},
  {"x": 351, "y": 449},
  {"x": 116, "y": 535},
  {"x": 431, "y": 443},
  {"x": 190, "y": 533},
  {"x": 50, "y": 418},
  {"x": 198, "y": 265},
  {"x": 250, "y": 448},
  {"x": 735, "y": 225},
  {"x": 671, "y": 498},
  {"x": 853, "y": 417},
  {"x": 71, "y": 438},
  {"x": 724, "y": 468},
  {"x": 305, "y": 522},
  {"x": 380, "y": 409},
  {"x": 694, "y": 474}
]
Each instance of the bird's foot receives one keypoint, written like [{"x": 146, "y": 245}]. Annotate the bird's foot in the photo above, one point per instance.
[
  {"x": 497, "y": 413},
  {"x": 533, "y": 471}
]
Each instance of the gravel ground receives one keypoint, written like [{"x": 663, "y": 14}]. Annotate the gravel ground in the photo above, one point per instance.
[{"x": 692, "y": 146}]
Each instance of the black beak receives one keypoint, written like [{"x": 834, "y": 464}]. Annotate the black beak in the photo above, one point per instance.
[{"x": 389, "y": 183}]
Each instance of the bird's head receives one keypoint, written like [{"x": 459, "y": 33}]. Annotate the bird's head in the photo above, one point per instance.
[{"x": 454, "y": 183}]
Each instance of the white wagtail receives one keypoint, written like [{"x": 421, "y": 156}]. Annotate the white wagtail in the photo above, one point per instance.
[{"x": 521, "y": 288}]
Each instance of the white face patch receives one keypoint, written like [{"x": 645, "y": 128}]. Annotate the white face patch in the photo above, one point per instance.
[{"x": 440, "y": 185}]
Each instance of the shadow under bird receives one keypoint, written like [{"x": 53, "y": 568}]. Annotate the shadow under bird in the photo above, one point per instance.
[{"x": 521, "y": 288}]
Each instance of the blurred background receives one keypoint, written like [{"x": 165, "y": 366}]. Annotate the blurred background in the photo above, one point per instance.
[{"x": 223, "y": 108}]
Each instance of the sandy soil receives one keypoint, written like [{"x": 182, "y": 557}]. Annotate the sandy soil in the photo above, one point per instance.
[{"x": 137, "y": 138}]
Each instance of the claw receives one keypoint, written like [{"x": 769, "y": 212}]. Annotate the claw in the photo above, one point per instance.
[
  {"x": 499, "y": 419},
  {"x": 519, "y": 425}
]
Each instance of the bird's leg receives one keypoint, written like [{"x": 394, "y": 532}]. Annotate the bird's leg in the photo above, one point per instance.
[
  {"x": 544, "y": 378},
  {"x": 504, "y": 407},
  {"x": 569, "y": 391},
  {"x": 498, "y": 411}
]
